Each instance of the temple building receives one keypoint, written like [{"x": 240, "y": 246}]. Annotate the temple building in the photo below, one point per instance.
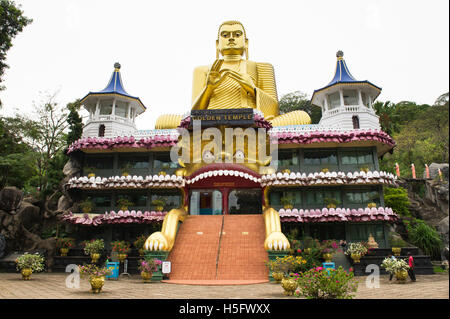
[{"x": 223, "y": 208}]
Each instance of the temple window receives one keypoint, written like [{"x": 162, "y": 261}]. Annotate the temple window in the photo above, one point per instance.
[
  {"x": 102, "y": 202},
  {"x": 350, "y": 97},
  {"x": 101, "y": 130},
  {"x": 365, "y": 99},
  {"x": 275, "y": 198},
  {"x": 138, "y": 200},
  {"x": 172, "y": 198},
  {"x": 106, "y": 107},
  {"x": 99, "y": 165},
  {"x": 134, "y": 165},
  {"x": 355, "y": 121},
  {"x": 315, "y": 161},
  {"x": 357, "y": 160},
  {"x": 288, "y": 159},
  {"x": 162, "y": 162},
  {"x": 334, "y": 100},
  {"x": 121, "y": 109},
  {"x": 360, "y": 198}
]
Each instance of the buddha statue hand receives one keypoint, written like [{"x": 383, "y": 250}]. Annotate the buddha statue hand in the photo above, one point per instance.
[
  {"x": 244, "y": 79},
  {"x": 215, "y": 75}
]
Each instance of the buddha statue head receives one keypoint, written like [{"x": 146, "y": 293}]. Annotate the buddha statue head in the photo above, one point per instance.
[{"x": 231, "y": 39}]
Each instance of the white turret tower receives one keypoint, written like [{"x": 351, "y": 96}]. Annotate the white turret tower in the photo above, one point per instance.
[
  {"x": 346, "y": 102},
  {"x": 112, "y": 111}
]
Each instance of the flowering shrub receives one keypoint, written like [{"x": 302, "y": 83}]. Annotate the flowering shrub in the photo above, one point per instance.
[
  {"x": 92, "y": 270},
  {"x": 121, "y": 247},
  {"x": 95, "y": 246},
  {"x": 149, "y": 265},
  {"x": 140, "y": 241},
  {"x": 329, "y": 246},
  {"x": 357, "y": 248},
  {"x": 65, "y": 242},
  {"x": 35, "y": 262},
  {"x": 394, "y": 265},
  {"x": 318, "y": 283},
  {"x": 287, "y": 264}
]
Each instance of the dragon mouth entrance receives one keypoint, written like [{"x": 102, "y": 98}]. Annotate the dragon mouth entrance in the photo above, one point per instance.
[{"x": 224, "y": 172}]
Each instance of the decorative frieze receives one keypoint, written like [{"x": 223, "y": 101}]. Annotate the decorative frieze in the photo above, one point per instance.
[
  {"x": 328, "y": 178},
  {"x": 337, "y": 215},
  {"x": 121, "y": 217}
]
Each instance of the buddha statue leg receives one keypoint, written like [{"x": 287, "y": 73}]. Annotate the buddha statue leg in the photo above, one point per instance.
[
  {"x": 168, "y": 121},
  {"x": 292, "y": 118}
]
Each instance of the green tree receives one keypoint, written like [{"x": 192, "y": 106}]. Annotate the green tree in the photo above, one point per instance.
[
  {"x": 299, "y": 101},
  {"x": 75, "y": 122},
  {"x": 397, "y": 199},
  {"x": 388, "y": 118},
  {"x": 12, "y": 21}
]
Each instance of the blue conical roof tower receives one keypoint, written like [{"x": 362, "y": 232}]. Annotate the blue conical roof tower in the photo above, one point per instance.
[
  {"x": 112, "y": 111},
  {"x": 347, "y": 102}
]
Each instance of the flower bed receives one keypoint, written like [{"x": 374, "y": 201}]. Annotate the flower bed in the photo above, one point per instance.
[{"x": 318, "y": 283}]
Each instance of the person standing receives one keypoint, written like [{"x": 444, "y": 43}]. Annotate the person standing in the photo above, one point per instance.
[{"x": 411, "y": 273}]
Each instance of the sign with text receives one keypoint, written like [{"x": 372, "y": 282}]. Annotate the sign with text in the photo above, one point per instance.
[
  {"x": 166, "y": 267},
  {"x": 228, "y": 117}
]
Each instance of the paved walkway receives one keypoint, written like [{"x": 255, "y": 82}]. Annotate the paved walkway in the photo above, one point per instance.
[{"x": 52, "y": 286}]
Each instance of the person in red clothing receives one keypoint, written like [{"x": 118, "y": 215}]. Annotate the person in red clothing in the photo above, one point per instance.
[{"x": 411, "y": 273}]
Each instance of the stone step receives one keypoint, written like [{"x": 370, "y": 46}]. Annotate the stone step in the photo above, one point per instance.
[{"x": 205, "y": 251}]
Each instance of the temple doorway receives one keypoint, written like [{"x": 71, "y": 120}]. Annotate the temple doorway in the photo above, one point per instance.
[
  {"x": 245, "y": 201},
  {"x": 205, "y": 202}
]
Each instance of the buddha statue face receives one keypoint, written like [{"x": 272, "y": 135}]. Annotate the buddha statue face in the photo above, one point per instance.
[{"x": 231, "y": 39}]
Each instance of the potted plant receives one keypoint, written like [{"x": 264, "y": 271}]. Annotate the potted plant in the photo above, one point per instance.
[
  {"x": 289, "y": 285},
  {"x": 397, "y": 244},
  {"x": 277, "y": 268},
  {"x": 139, "y": 244},
  {"x": 364, "y": 168},
  {"x": 398, "y": 267},
  {"x": 356, "y": 251},
  {"x": 163, "y": 173},
  {"x": 90, "y": 171},
  {"x": 64, "y": 244},
  {"x": 29, "y": 263},
  {"x": 96, "y": 276},
  {"x": 121, "y": 248},
  {"x": 325, "y": 170},
  {"x": 94, "y": 248},
  {"x": 287, "y": 202},
  {"x": 286, "y": 171},
  {"x": 147, "y": 267},
  {"x": 126, "y": 168},
  {"x": 159, "y": 202},
  {"x": 124, "y": 203},
  {"x": 328, "y": 248},
  {"x": 87, "y": 205},
  {"x": 331, "y": 202}
]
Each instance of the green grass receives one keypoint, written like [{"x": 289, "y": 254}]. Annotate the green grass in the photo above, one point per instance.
[{"x": 438, "y": 269}]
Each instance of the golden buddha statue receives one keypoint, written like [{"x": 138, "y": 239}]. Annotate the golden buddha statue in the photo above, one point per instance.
[{"x": 234, "y": 82}]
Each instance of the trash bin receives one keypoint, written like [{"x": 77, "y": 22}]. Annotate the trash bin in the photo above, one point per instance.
[
  {"x": 114, "y": 267},
  {"x": 328, "y": 266}
]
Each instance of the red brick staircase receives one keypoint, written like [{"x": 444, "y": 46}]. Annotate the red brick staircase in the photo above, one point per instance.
[{"x": 207, "y": 254}]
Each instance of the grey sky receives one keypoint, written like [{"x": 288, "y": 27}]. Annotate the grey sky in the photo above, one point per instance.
[{"x": 401, "y": 46}]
